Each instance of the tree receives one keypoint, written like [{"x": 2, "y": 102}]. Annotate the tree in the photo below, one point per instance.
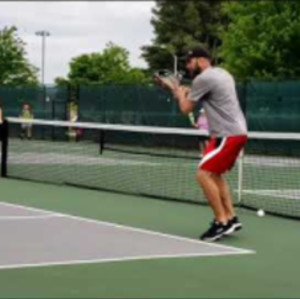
[
  {"x": 178, "y": 24},
  {"x": 14, "y": 67},
  {"x": 262, "y": 40},
  {"x": 60, "y": 81},
  {"x": 109, "y": 67},
  {"x": 139, "y": 76}
]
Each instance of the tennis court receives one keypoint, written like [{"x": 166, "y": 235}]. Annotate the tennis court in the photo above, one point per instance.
[
  {"x": 62, "y": 238},
  {"x": 53, "y": 240}
]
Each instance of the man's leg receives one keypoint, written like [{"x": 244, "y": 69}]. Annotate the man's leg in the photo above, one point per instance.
[
  {"x": 221, "y": 226},
  {"x": 219, "y": 158},
  {"x": 225, "y": 194},
  {"x": 234, "y": 222},
  {"x": 213, "y": 195}
]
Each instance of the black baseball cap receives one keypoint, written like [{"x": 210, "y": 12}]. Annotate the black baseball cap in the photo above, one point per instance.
[{"x": 197, "y": 52}]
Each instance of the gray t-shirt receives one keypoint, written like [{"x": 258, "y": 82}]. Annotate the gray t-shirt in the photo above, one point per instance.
[{"x": 215, "y": 87}]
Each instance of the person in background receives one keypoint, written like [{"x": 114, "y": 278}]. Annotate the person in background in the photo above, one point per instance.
[
  {"x": 201, "y": 124},
  {"x": 74, "y": 133},
  {"x": 26, "y": 129},
  {"x": 73, "y": 112}
]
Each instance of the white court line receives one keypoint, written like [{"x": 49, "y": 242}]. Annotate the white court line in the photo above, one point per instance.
[
  {"x": 121, "y": 259},
  {"x": 129, "y": 228},
  {"x": 279, "y": 193},
  {"x": 5, "y": 218}
]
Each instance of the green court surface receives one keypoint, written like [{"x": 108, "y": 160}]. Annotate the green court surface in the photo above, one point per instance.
[{"x": 272, "y": 272}]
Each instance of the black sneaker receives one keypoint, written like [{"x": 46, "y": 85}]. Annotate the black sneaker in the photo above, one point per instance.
[
  {"x": 234, "y": 225},
  {"x": 215, "y": 232}
]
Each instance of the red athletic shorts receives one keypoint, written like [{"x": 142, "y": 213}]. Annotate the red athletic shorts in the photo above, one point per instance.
[{"x": 221, "y": 153}]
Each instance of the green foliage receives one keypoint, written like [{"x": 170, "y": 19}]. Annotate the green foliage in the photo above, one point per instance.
[
  {"x": 262, "y": 40},
  {"x": 179, "y": 24},
  {"x": 60, "y": 81},
  {"x": 109, "y": 67},
  {"x": 139, "y": 76},
  {"x": 15, "y": 70}
]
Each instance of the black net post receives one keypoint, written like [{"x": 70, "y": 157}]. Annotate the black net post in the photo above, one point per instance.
[
  {"x": 101, "y": 141},
  {"x": 4, "y": 147}
]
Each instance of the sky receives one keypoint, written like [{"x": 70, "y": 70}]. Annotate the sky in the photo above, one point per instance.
[{"x": 78, "y": 27}]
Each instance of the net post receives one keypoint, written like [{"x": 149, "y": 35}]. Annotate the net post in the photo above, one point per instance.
[
  {"x": 101, "y": 141},
  {"x": 4, "y": 147},
  {"x": 240, "y": 176}
]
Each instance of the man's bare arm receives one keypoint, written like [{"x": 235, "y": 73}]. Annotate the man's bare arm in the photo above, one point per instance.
[{"x": 185, "y": 104}]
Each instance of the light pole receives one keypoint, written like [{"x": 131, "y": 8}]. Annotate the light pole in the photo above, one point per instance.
[
  {"x": 43, "y": 34},
  {"x": 175, "y": 60}
]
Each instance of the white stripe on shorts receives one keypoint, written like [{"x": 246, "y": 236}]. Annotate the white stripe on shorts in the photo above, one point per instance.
[{"x": 213, "y": 153}]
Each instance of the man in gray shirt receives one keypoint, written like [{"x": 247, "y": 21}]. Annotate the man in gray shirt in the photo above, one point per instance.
[{"x": 215, "y": 88}]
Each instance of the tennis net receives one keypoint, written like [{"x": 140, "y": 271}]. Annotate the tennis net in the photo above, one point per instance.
[{"x": 153, "y": 161}]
